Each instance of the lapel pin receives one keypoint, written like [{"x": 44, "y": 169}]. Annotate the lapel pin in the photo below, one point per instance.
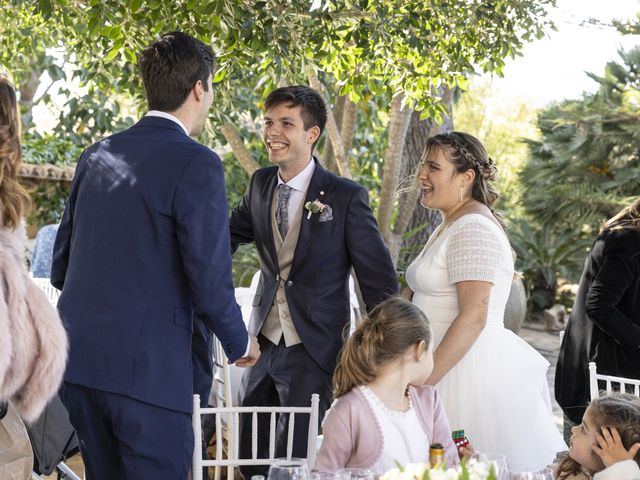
[{"x": 321, "y": 192}]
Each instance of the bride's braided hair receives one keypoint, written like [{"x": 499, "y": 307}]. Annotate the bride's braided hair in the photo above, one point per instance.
[{"x": 466, "y": 152}]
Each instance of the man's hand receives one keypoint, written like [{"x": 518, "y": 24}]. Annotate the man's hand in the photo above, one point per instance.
[
  {"x": 610, "y": 448},
  {"x": 254, "y": 354}
]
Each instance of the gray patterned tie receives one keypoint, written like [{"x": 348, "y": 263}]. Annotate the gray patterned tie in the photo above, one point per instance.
[{"x": 282, "y": 212}]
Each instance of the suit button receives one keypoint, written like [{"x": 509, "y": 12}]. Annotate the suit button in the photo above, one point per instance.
[
  {"x": 278, "y": 277},
  {"x": 289, "y": 283}
]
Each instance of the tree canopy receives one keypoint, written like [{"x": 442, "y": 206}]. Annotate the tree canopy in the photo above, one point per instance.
[{"x": 376, "y": 61}]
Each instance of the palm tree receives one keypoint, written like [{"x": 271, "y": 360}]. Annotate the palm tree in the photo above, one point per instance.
[{"x": 587, "y": 164}]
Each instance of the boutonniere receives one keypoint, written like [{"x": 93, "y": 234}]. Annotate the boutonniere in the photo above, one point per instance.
[{"x": 314, "y": 207}]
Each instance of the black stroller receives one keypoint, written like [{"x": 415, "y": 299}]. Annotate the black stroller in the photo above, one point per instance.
[{"x": 53, "y": 441}]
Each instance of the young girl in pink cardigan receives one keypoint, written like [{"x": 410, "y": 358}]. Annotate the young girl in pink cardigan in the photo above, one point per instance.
[{"x": 384, "y": 415}]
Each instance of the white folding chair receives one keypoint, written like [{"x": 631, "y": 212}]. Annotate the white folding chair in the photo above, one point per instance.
[
  {"x": 232, "y": 415},
  {"x": 609, "y": 380},
  {"x": 222, "y": 396},
  {"x": 45, "y": 285}
]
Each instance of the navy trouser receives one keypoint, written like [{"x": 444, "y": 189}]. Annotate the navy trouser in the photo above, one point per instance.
[{"x": 126, "y": 439}]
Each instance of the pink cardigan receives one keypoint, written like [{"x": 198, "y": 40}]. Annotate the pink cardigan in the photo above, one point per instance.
[{"x": 353, "y": 437}]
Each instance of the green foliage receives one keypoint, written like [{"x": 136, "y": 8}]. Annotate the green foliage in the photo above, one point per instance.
[
  {"x": 379, "y": 46},
  {"x": 368, "y": 49},
  {"x": 48, "y": 198},
  {"x": 90, "y": 117},
  {"x": 500, "y": 126},
  {"x": 47, "y": 202},
  {"x": 49, "y": 149},
  {"x": 582, "y": 170},
  {"x": 544, "y": 256},
  {"x": 587, "y": 164}
]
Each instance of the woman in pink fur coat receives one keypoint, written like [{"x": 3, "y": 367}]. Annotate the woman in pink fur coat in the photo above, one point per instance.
[{"x": 33, "y": 342}]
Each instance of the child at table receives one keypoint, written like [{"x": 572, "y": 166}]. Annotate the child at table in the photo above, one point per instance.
[
  {"x": 606, "y": 444},
  {"x": 383, "y": 413}
]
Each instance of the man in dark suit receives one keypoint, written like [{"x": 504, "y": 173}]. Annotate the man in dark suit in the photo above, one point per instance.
[
  {"x": 311, "y": 228},
  {"x": 142, "y": 248}
]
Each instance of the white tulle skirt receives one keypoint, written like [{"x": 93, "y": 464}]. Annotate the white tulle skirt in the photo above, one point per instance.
[{"x": 498, "y": 394}]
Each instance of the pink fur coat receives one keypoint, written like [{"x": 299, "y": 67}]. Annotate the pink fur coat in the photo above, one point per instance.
[{"x": 33, "y": 342}]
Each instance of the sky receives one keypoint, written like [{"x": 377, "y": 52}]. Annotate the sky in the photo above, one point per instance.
[{"x": 553, "y": 68}]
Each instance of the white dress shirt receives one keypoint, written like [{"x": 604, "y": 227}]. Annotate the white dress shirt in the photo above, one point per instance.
[
  {"x": 168, "y": 116},
  {"x": 299, "y": 186}
]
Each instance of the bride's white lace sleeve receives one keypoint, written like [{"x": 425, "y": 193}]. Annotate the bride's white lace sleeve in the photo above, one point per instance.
[{"x": 473, "y": 253}]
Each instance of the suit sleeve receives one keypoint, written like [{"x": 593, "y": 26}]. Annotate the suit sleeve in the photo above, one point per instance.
[
  {"x": 369, "y": 255},
  {"x": 618, "y": 271},
  {"x": 62, "y": 244},
  {"x": 240, "y": 224},
  {"x": 200, "y": 209}
]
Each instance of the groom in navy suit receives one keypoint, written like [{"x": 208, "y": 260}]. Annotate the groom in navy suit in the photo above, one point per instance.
[
  {"x": 143, "y": 248},
  {"x": 311, "y": 228}
]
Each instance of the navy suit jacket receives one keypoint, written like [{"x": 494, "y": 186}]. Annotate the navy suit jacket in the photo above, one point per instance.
[
  {"x": 142, "y": 246},
  {"x": 317, "y": 289}
]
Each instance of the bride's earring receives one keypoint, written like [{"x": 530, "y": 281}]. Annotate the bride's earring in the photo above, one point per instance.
[{"x": 461, "y": 193}]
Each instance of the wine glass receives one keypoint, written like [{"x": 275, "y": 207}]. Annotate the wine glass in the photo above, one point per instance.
[
  {"x": 318, "y": 475},
  {"x": 544, "y": 474},
  {"x": 526, "y": 471},
  {"x": 289, "y": 469},
  {"x": 354, "y": 474},
  {"x": 498, "y": 460}
]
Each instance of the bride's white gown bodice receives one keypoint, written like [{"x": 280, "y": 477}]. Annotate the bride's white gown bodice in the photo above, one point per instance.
[{"x": 498, "y": 391}]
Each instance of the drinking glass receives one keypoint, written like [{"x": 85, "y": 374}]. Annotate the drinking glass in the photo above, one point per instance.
[
  {"x": 318, "y": 475},
  {"x": 524, "y": 471},
  {"x": 289, "y": 469},
  {"x": 354, "y": 474},
  {"x": 544, "y": 474},
  {"x": 498, "y": 460}
]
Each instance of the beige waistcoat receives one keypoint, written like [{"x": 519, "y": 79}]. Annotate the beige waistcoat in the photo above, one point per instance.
[{"x": 278, "y": 321}]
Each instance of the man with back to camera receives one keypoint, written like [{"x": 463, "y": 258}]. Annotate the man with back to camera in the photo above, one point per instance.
[
  {"x": 143, "y": 246},
  {"x": 307, "y": 251}
]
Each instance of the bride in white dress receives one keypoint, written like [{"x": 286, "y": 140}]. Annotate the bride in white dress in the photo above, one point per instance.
[{"x": 491, "y": 382}]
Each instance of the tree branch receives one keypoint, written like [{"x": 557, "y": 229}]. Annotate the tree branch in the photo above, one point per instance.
[
  {"x": 398, "y": 126},
  {"x": 348, "y": 127},
  {"x": 332, "y": 128},
  {"x": 241, "y": 152},
  {"x": 329, "y": 158}
]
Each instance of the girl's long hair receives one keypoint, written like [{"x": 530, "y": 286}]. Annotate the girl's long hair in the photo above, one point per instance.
[
  {"x": 628, "y": 217},
  {"x": 618, "y": 410},
  {"x": 387, "y": 333},
  {"x": 13, "y": 197}
]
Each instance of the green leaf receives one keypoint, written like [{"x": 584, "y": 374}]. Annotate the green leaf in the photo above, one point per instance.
[
  {"x": 130, "y": 55},
  {"x": 44, "y": 8},
  {"x": 113, "y": 53},
  {"x": 219, "y": 76}
]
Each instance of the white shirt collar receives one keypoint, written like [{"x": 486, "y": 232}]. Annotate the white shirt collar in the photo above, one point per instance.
[
  {"x": 168, "y": 116},
  {"x": 302, "y": 180}
]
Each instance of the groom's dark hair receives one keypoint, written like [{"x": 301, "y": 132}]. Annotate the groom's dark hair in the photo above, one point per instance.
[
  {"x": 171, "y": 66},
  {"x": 312, "y": 106}
]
